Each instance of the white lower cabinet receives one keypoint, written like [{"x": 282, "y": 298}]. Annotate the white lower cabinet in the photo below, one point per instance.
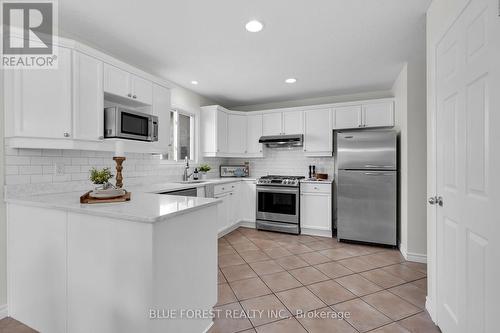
[
  {"x": 316, "y": 208},
  {"x": 228, "y": 211}
]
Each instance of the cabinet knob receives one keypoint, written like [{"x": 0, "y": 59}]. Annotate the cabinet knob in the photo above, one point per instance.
[
  {"x": 315, "y": 187},
  {"x": 360, "y": 125},
  {"x": 66, "y": 134},
  {"x": 134, "y": 96},
  {"x": 129, "y": 95},
  {"x": 101, "y": 138}
]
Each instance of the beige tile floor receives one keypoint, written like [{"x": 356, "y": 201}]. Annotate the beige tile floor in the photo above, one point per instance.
[{"x": 293, "y": 275}]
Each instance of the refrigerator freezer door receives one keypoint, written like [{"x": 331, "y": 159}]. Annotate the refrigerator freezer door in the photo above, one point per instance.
[
  {"x": 367, "y": 206},
  {"x": 367, "y": 150}
]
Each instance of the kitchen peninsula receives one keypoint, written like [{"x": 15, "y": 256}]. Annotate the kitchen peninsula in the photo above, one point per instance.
[{"x": 104, "y": 268}]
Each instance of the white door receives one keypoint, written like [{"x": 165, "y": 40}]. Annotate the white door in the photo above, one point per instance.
[
  {"x": 318, "y": 132},
  {"x": 142, "y": 90},
  {"x": 221, "y": 132},
  {"x": 254, "y": 132},
  {"x": 117, "y": 81},
  {"x": 161, "y": 109},
  {"x": 378, "y": 114},
  {"x": 468, "y": 164},
  {"x": 347, "y": 117},
  {"x": 88, "y": 97},
  {"x": 236, "y": 134},
  {"x": 271, "y": 123},
  {"x": 293, "y": 122},
  {"x": 42, "y": 99}
]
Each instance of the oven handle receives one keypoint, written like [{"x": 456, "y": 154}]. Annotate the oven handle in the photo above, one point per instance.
[{"x": 278, "y": 190}]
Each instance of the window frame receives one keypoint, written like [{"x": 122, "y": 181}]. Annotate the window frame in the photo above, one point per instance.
[{"x": 174, "y": 131}]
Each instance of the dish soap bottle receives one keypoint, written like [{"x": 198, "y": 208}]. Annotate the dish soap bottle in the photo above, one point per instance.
[{"x": 195, "y": 174}]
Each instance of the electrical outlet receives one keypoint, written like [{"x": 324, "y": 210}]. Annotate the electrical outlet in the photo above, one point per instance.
[{"x": 58, "y": 169}]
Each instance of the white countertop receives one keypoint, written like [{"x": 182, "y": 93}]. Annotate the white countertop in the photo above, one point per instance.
[
  {"x": 146, "y": 205},
  {"x": 324, "y": 181}
]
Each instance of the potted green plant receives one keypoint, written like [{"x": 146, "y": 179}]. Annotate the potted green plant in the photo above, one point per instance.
[
  {"x": 204, "y": 168},
  {"x": 100, "y": 178}
]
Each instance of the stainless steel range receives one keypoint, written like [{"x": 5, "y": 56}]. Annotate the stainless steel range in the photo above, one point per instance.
[{"x": 278, "y": 203}]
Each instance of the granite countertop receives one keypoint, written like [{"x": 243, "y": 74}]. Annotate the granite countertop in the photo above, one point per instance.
[{"x": 146, "y": 205}]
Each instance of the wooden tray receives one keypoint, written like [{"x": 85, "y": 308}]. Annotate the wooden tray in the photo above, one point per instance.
[{"x": 87, "y": 199}]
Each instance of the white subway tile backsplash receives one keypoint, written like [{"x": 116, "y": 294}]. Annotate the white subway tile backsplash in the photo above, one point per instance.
[
  {"x": 30, "y": 170},
  {"x": 17, "y": 160}
]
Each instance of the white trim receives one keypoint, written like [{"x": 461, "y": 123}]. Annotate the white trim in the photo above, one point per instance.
[
  {"x": 208, "y": 327},
  {"x": 4, "y": 311},
  {"x": 428, "y": 306},
  {"x": 411, "y": 256},
  {"x": 316, "y": 232}
]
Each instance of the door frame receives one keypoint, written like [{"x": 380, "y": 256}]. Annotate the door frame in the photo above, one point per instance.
[{"x": 432, "y": 106}]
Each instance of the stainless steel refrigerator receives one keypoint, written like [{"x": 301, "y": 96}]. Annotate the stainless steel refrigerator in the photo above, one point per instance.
[{"x": 366, "y": 186}]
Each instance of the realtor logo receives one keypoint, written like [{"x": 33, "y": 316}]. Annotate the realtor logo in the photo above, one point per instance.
[{"x": 28, "y": 34}]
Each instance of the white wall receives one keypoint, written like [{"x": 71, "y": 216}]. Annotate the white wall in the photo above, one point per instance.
[
  {"x": 439, "y": 17},
  {"x": 410, "y": 117}
]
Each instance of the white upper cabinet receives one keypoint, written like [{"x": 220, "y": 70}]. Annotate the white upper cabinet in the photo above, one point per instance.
[
  {"x": 236, "y": 134},
  {"x": 142, "y": 90},
  {"x": 161, "y": 109},
  {"x": 214, "y": 133},
  {"x": 378, "y": 114},
  {"x": 272, "y": 123},
  {"x": 254, "y": 132},
  {"x": 38, "y": 102},
  {"x": 293, "y": 122},
  {"x": 318, "y": 132},
  {"x": 221, "y": 146},
  {"x": 117, "y": 81},
  {"x": 88, "y": 97},
  {"x": 128, "y": 86},
  {"x": 348, "y": 117}
]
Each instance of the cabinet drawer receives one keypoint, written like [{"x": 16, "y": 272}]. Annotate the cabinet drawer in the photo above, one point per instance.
[
  {"x": 316, "y": 188},
  {"x": 224, "y": 188}
]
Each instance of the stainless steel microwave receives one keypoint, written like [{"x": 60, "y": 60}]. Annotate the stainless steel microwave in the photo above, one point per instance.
[{"x": 129, "y": 124}]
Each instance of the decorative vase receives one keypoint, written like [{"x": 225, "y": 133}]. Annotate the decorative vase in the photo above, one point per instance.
[{"x": 203, "y": 175}]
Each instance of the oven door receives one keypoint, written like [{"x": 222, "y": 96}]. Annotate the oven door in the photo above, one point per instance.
[
  {"x": 134, "y": 125},
  {"x": 279, "y": 204}
]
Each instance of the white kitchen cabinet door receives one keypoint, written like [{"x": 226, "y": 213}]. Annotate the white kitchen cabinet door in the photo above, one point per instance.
[
  {"x": 142, "y": 90},
  {"x": 223, "y": 211},
  {"x": 293, "y": 122},
  {"x": 40, "y": 100},
  {"x": 318, "y": 132},
  {"x": 117, "y": 81},
  {"x": 271, "y": 123},
  {"x": 236, "y": 134},
  {"x": 221, "y": 129},
  {"x": 348, "y": 117},
  {"x": 88, "y": 98},
  {"x": 378, "y": 114},
  {"x": 248, "y": 199},
  {"x": 316, "y": 211},
  {"x": 161, "y": 109},
  {"x": 254, "y": 132}
]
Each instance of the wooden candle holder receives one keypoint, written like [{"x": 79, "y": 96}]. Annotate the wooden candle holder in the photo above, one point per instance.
[{"x": 119, "y": 177}]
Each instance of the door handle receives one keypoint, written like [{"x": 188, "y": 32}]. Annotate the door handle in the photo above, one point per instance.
[{"x": 436, "y": 201}]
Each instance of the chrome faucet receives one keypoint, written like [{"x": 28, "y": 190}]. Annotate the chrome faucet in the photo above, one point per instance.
[{"x": 186, "y": 175}]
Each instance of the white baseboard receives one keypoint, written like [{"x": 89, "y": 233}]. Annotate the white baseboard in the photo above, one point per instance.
[
  {"x": 430, "y": 309},
  {"x": 410, "y": 256},
  {"x": 209, "y": 327},
  {"x": 4, "y": 311},
  {"x": 316, "y": 232}
]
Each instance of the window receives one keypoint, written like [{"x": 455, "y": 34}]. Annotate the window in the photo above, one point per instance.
[{"x": 181, "y": 136}]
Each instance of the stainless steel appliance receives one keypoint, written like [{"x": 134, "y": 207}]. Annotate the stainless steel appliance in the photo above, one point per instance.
[
  {"x": 188, "y": 192},
  {"x": 130, "y": 124},
  {"x": 281, "y": 141},
  {"x": 367, "y": 186},
  {"x": 278, "y": 204}
]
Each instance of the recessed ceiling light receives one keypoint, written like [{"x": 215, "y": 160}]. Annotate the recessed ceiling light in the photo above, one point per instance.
[
  {"x": 291, "y": 80},
  {"x": 254, "y": 26},
  {"x": 194, "y": 82}
]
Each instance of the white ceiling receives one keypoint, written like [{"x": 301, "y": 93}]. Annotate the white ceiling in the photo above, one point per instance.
[{"x": 331, "y": 46}]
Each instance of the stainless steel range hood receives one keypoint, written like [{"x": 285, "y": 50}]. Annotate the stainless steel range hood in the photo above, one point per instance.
[{"x": 281, "y": 141}]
